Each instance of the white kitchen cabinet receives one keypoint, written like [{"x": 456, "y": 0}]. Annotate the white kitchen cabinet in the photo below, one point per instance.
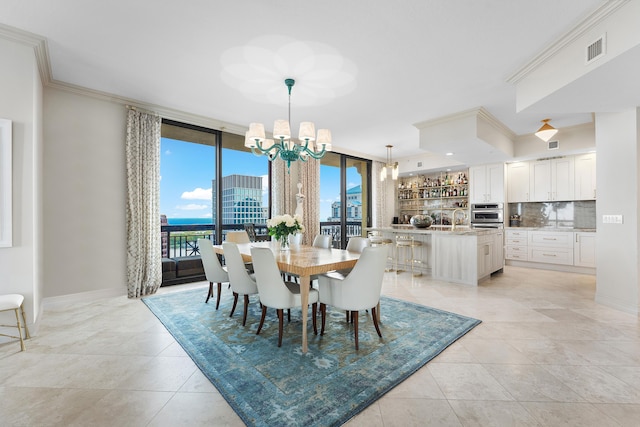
[
  {"x": 517, "y": 244},
  {"x": 585, "y": 177},
  {"x": 584, "y": 249},
  {"x": 551, "y": 247},
  {"x": 540, "y": 181},
  {"x": 562, "y": 178},
  {"x": 485, "y": 254},
  {"x": 497, "y": 253},
  {"x": 486, "y": 183},
  {"x": 518, "y": 182}
]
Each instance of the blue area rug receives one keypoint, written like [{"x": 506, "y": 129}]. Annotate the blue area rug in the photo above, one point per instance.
[{"x": 328, "y": 385}]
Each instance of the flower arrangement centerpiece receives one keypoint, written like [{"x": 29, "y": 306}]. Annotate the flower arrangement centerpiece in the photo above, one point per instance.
[{"x": 280, "y": 226}]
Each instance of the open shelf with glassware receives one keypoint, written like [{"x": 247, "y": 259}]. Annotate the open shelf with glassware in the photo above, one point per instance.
[{"x": 440, "y": 195}]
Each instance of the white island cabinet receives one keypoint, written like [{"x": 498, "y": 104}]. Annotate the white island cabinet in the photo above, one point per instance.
[{"x": 461, "y": 256}]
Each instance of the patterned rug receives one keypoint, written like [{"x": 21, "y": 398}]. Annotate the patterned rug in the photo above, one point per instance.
[{"x": 328, "y": 385}]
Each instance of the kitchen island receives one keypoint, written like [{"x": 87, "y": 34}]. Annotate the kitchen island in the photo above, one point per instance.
[{"x": 462, "y": 255}]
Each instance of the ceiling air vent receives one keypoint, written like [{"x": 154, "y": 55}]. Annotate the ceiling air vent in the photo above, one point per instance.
[
  {"x": 553, "y": 145},
  {"x": 597, "y": 49}
]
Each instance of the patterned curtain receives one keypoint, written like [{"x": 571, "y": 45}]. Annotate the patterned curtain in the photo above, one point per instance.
[
  {"x": 309, "y": 175},
  {"x": 144, "y": 252},
  {"x": 379, "y": 194},
  {"x": 282, "y": 197}
]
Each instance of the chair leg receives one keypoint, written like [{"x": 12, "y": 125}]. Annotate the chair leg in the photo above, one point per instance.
[
  {"x": 26, "y": 329},
  {"x": 354, "y": 319},
  {"x": 314, "y": 308},
  {"x": 22, "y": 347},
  {"x": 246, "y": 308},
  {"x": 219, "y": 292},
  {"x": 264, "y": 314},
  {"x": 323, "y": 315},
  {"x": 280, "y": 325},
  {"x": 210, "y": 294},
  {"x": 374, "y": 315},
  {"x": 235, "y": 301}
]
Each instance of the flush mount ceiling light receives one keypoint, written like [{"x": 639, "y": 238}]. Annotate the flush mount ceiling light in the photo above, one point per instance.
[
  {"x": 287, "y": 148},
  {"x": 546, "y": 131},
  {"x": 389, "y": 166}
]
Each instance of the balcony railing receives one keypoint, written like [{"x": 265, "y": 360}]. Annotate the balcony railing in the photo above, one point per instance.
[{"x": 182, "y": 240}]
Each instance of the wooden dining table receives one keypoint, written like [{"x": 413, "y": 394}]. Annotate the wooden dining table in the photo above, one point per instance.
[{"x": 303, "y": 261}]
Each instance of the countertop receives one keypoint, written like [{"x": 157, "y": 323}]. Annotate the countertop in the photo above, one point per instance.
[
  {"x": 552, "y": 229},
  {"x": 459, "y": 231}
]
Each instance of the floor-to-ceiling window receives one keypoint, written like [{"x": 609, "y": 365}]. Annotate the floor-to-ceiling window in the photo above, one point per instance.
[
  {"x": 210, "y": 183},
  {"x": 345, "y": 194}
]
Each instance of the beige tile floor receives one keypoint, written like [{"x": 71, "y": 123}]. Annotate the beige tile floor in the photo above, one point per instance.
[{"x": 545, "y": 355}]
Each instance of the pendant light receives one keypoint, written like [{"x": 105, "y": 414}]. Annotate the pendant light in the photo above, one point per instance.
[
  {"x": 546, "y": 131},
  {"x": 389, "y": 166}
]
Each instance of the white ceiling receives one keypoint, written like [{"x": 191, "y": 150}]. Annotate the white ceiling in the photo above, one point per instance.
[{"x": 366, "y": 69}]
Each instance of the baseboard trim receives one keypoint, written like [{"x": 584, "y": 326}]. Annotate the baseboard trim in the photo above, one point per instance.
[
  {"x": 553, "y": 267},
  {"x": 618, "y": 305},
  {"x": 90, "y": 296}
]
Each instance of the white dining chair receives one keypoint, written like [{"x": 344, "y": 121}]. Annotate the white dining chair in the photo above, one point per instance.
[
  {"x": 239, "y": 237},
  {"x": 14, "y": 302},
  {"x": 241, "y": 281},
  {"x": 359, "y": 290},
  {"x": 276, "y": 293},
  {"x": 213, "y": 270},
  {"x": 355, "y": 244},
  {"x": 322, "y": 241}
]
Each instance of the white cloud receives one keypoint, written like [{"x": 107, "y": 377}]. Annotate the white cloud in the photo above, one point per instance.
[
  {"x": 192, "y": 207},
  {"x": 168, "y": 152},
  {"x": 197, "y": 194}
]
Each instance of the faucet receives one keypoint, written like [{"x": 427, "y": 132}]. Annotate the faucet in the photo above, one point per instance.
[{"x": 453, "y": 218}]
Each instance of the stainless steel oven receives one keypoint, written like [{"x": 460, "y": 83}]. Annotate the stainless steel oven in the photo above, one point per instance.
[{"x": 487, "y": 215}]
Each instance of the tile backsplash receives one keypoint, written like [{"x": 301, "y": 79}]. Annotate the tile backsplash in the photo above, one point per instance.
[{"x": 577, "y": 214}]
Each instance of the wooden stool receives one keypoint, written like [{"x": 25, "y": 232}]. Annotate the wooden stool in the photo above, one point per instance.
[{"x": 14, "y": 302}]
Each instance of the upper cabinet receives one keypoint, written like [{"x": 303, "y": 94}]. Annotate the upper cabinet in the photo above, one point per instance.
[
  {"x": 551, "y": 180},
  {"x": 585, "y": 177},
  {"x": 559, "y": 179},
  {"x": 518, "y": 182},
  {"x": 486, "y": 183}
]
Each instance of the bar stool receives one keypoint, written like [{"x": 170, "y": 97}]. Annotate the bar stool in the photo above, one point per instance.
[
  {"x": 378, "y": 240},
  {"x": 14, "y": 302},
  {"x": 404, "y": 243}
]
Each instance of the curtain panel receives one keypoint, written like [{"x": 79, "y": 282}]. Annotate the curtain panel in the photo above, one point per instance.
[
  {"x": 309, "y": 174},
  {"x": 379, "y": 194},
  {"x": 144, "y": 246}
]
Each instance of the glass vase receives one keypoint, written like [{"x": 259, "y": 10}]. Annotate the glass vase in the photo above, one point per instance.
[{"x": 284, "y": 243}]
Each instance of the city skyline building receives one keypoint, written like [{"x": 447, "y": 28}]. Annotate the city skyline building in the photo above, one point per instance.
[
  {"x": 241, "y": 200},
  {"x": 354, "y": 206}
]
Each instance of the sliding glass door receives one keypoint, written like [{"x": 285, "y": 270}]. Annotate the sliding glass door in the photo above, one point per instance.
[{"x": 345, "y": 195}]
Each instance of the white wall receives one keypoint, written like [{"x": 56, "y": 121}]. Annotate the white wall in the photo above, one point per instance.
[
  {"x": 617, "y": 277},
  {"x": 84, "y": 195},
  {"x": 21, "y": 102},
  {"x": 572, "y": 140}
]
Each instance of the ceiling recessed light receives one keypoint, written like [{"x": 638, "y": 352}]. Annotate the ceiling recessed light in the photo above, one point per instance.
[{"x": 448, "y": 154}]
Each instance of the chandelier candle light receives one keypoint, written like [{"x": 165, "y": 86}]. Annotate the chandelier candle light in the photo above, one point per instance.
[
  {"x": 389, "y": 166},
  {"x": 288, "y": 149}
]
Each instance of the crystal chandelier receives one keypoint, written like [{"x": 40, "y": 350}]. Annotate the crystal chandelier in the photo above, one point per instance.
[{"x": 285, "y": 147}]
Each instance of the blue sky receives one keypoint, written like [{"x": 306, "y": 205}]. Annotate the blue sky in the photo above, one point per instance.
[{"x": 186, "y": 171}]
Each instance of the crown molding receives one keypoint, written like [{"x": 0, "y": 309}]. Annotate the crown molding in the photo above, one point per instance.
[
  {"x": 478, "y": 112},
  {"x": 595, "y": 18},
  {"x": 41, "y": 52},
  {"x": 39, "y": 45}
]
